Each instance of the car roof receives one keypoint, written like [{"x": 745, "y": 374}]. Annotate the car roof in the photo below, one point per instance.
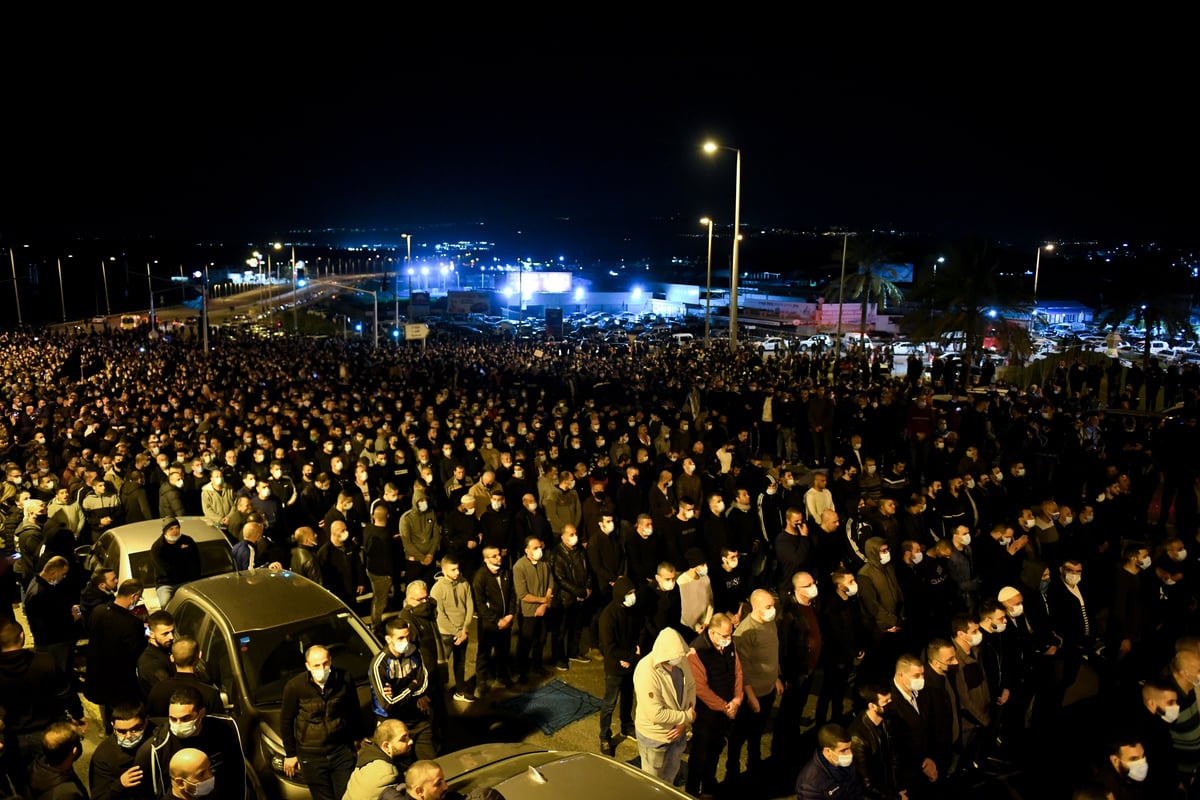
[
  {"x": 262, "y": 598},
  {"x": 519, "y": 772},
  {"x": 137, "y": 537}
]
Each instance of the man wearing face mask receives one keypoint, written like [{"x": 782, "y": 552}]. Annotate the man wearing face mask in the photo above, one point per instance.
[
  {"x": 1129, "y": 769},
  {"x": 495, "y": 605},
  {"x": 1071, "y": 615},
  {"x": 831, "y": 773},
  {"x": 320, "y": 724},
  {"x": 176, "y": 558},
  {"x": 1151, "y": 723},
  {"x": 381, "y": 761},
  {"x": 757, "y": 643},
  {"x": 572, "y": 596},
  {"x": 191, "y": 727},
  {"x": 800, "y": 647},
  {"x": 695, "y": 592},
  {"x": 191, "y": 775},
  {"x": 718, "y": 674},
  {"x": 421, "y": 535},
  {"x": 112, "y": 774},
  {"x": 971, "y": 685},
  {"x": 400, "y": 685},
  {"x": 882, "y": 605},
  {"x": 844, "y": 644},
  {"x": 533, "y": 584},
  {"x": 943, "y": 725},
  {"x": 905, "y": 716},
  {"x": 643, "y": 552},
  {"x": 872, "y": 746},
  {"x": 666, "y": 705},
  {"x": 620, "y": 626}
]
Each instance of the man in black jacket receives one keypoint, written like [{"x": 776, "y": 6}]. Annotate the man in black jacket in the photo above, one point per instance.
[
  {"x": 176, "y": 560},
  {"x": 905, "y": 719},
  {"x": 619, "y": 629},
  {"x": 116, "y": 638},
  {"x": 320, "y": 722},
  {"x": 112, "y": 766},
  {"x": 33, "y": 691},
  {"x": 942, "y": 724},
  {"x": 872, "y": 746},
  {"x": 572, "y": 592},
  {"x": 495, "y": 605}
]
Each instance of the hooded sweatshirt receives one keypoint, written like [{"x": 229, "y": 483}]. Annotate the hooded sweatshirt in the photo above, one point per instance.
[
  {"x": 879, "y": 592},
  {"x": 455, "y": 605},
  {"x": 420, "y": 532},
  {"x": 619, "y": 629},
  {"x": 665, "y": 691}
]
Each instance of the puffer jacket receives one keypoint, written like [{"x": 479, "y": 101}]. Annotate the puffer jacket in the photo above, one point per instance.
[{"x": 313, "y": 722}]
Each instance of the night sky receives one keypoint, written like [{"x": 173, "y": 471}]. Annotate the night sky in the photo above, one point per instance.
[{"x": 925, "y": 139}]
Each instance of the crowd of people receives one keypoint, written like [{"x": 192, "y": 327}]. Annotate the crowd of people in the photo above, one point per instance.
[{"x": 800, "y": 548}]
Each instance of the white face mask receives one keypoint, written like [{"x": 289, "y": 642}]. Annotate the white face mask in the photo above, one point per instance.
[
  {"x": 1003, "y": 626},
  {"x": 1181, "y": 555},
  {"x": 536, "y": 554},
  {"x": 976, "y": 639},
  {"x": 885, "y": 558},
  {"x": 1072, "y": 579},
  {"x": 668, "y": 585},
  {"x": 630, "y": 599},
  {"x": 851, "y": 589},
  {"x": 918, "y": 557},
  {"x": 1016, "y": 610},
  {"x": 422, "y": 506},
  {"x": 845, "y": 760},
  {"x": 702, "y": 570},
  {"x": 205, "y": 786},
  {"x": 966, "y": 539},
  {"x": 572, "y": 541},
  {"x": 769, "y": 615},
  {"x": 1170, "y": 714},
  {"x": 916, "y": 684},
  {"x": 1145, "y": 563},
  {"x": 320, "y": 675},
  {"x": 810, "y": 591},
  {"x": 185, "y": 730},
  {"x": 1138, "y": 769}
]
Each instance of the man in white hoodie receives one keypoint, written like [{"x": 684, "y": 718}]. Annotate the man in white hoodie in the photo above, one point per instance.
[{"x": 666, "y": 705}]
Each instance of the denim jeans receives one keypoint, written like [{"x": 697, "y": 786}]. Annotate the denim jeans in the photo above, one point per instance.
[
  {"x": 661, "y": 759},
  {"x": 328, "y": 774},
  {"x": 616, "y": 686}
]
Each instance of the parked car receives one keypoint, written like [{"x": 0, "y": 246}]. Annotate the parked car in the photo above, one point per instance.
[
  {"x": 526, "y": 772},
  {"x": 254, "y": 628},
  {"x": 126, "y": 549}
]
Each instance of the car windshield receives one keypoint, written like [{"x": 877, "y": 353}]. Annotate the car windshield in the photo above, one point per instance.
[
  {"x": 216, "y": 558},
  {"x": 271, "y": 657}
]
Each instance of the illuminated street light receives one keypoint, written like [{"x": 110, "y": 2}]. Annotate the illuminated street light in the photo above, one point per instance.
[
  {"x": 708, "y": 286},
  {"x": 710, "y": 148},
  {"x": 1037, "y": 268}
]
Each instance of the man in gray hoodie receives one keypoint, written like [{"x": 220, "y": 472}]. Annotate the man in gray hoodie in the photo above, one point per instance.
[
  {"x": 666, "y": 705},
  {"x": 455, "y": 612}
]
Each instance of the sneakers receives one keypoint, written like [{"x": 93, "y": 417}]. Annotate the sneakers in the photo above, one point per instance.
[
  {"x": 581, "y": 659},
  {"x": 462, "y": 697},
  {"x": 562, "y": 666},
  {"x": 606, "y": 747}
]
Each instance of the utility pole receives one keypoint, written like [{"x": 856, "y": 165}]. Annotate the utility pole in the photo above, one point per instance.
[{"x": 16, "y": 291}]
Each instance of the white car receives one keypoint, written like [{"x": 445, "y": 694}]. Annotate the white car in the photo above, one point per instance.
[{"x": 126, "y": 549}]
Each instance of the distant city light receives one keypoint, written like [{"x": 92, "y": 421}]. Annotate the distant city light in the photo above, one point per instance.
[
  {"x": 636, "y": 294},
  {"x": 579, "y": 294}
]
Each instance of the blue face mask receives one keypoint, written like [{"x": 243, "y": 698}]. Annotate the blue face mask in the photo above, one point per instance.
[{"x": 1044, "y": 586}]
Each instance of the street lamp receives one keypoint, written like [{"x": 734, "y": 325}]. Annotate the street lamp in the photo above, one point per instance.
[
  {"x": 1037, "y": 268},
  {"x": 708, "y": 286},
  {"x": 710, "y": 148}
]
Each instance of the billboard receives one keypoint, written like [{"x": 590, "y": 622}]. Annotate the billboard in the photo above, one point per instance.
[
  {"x": 554, "y": 323},
  {"x": 529, "y": 282},
  {"x": 468, "y": 302}
]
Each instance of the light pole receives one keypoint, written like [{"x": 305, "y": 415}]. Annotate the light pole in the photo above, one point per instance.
[
  {"x": 62, "y": 296},
  {"x": 712, "y": 147},
  {"x": 104, "y": 274},
  {"x": 708, "y": 286},
  {"x": 12, "y": 259},
  {"x": 1037, "y": 268},
  {"x": 841, "y": 291}
]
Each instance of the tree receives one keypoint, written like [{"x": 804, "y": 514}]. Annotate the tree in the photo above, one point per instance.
[
  {"x": 1154, "y": 293},
  {"x": 871, "y": 277},
  {"x": 963, "y": 295}
]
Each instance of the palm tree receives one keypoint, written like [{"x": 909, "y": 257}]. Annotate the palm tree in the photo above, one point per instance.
[
  {"x": 967, "y": 293},
  {"x": 871, "y": 277},
  {"x": 1154, "y": 293}
]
